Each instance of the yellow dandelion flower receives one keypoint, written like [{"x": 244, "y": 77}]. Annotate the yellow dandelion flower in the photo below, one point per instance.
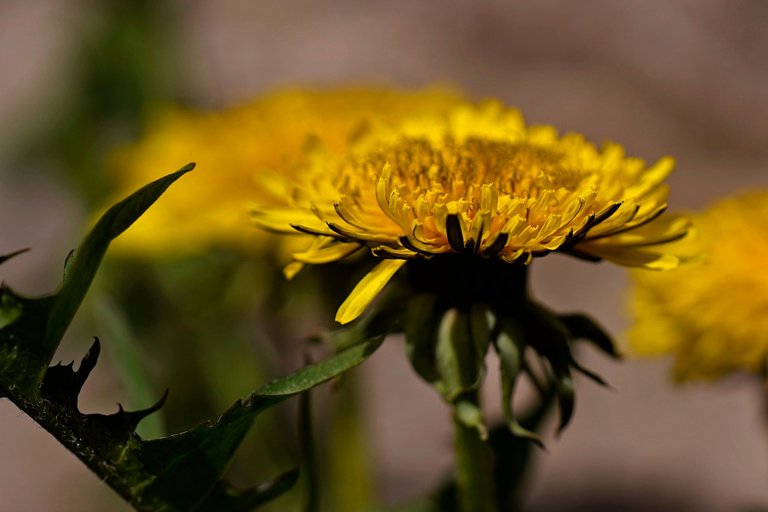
[
  {"x": 712, "y": 316},
  {"x": 231, "y": 146},
  {"x": 476, "y": 180}
]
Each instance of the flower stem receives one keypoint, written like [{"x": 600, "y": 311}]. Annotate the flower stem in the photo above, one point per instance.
[{"x": 474, "y": 473}]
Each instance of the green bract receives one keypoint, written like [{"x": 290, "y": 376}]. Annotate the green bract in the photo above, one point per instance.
[{"x": 452, "y": 309}]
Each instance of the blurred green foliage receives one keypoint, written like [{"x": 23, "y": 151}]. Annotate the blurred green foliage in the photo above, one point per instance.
[{"x": 122, "y": 66}]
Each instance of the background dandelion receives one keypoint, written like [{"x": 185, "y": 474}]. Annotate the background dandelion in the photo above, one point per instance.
[
  {"x": 711, "y": 316},
  {"x": 663, "y": 78}
]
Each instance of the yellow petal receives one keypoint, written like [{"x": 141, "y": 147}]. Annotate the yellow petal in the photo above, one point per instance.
[
  {"x": 292, "y": 269},
  {"x": 367, "y": 289},
  {"x": 326, "y": 254},
  {"x": 661, "y": 230},
  {"x": 631, "y": 257},
  {"x": 274, "y": 184},
  {"x": 283, "y": 219},
  {"x": 653, "y": 177}
]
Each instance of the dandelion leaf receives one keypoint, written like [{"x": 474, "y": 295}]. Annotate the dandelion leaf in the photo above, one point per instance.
[{"x": 179, "y": 472}]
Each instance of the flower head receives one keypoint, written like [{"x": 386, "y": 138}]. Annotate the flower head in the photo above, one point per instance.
[
  {"x": 712, "y": 316},
  {"x": 477, "y": 180},
  {"x": 232, "y": 146}
]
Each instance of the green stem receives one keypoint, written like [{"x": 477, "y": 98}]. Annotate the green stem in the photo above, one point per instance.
[
  {"x": 348, "y": 477},
  {"x": 474, "y": 471},
  {"x": 308, "y": 459}
]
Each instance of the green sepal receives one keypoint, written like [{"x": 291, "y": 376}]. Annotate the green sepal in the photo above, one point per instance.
[
  {"x": 482, "y": 323},
  {"x": 594, "y": 377},
  {"x": 456, "y": 356},
  {"x": 582, "y": 327},
  {"x": 566, "y": 398},
  {"x": 550, "y": 339},
  {"x": 421, "y": 325},
  {"x": 557, "y": 337},
  {"x": 6, "y": 257},
  {"x": 550, "y": 336},
  {"x": 510, "y": 346},
  {"x": 469, "y": 414}
]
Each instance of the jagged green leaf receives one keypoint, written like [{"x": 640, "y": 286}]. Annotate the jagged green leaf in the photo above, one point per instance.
[
  {"x": 124, "y": 351},
  {"x": 201, "y": 454},
  {"x": 182, "y": 472},
  {"x": 31, "y": 328}
]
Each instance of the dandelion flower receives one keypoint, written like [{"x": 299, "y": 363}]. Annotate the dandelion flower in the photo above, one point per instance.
[
  {"x": 712, "y": 316},
  {"x": 476, "y": 181},
  {"x": 232, "y": 146}
]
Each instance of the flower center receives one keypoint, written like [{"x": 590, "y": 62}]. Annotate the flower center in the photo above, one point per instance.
[
  {"x": 484, "y": 187},
  {"x": 457, "y": 171}
]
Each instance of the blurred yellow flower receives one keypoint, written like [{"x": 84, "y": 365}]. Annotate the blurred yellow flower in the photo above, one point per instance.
[
  {"x": 231, "y": 147},
  {"x": 712, "y": 316},
  {"x": 476, "y": 180}
]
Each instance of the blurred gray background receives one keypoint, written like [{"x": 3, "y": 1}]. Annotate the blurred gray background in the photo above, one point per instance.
[{"x": 686, "y": 78}]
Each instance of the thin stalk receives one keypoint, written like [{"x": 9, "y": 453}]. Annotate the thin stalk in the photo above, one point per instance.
[
  {"x": 474, "y": 470},
  {"x": 308, "y": 456}
]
